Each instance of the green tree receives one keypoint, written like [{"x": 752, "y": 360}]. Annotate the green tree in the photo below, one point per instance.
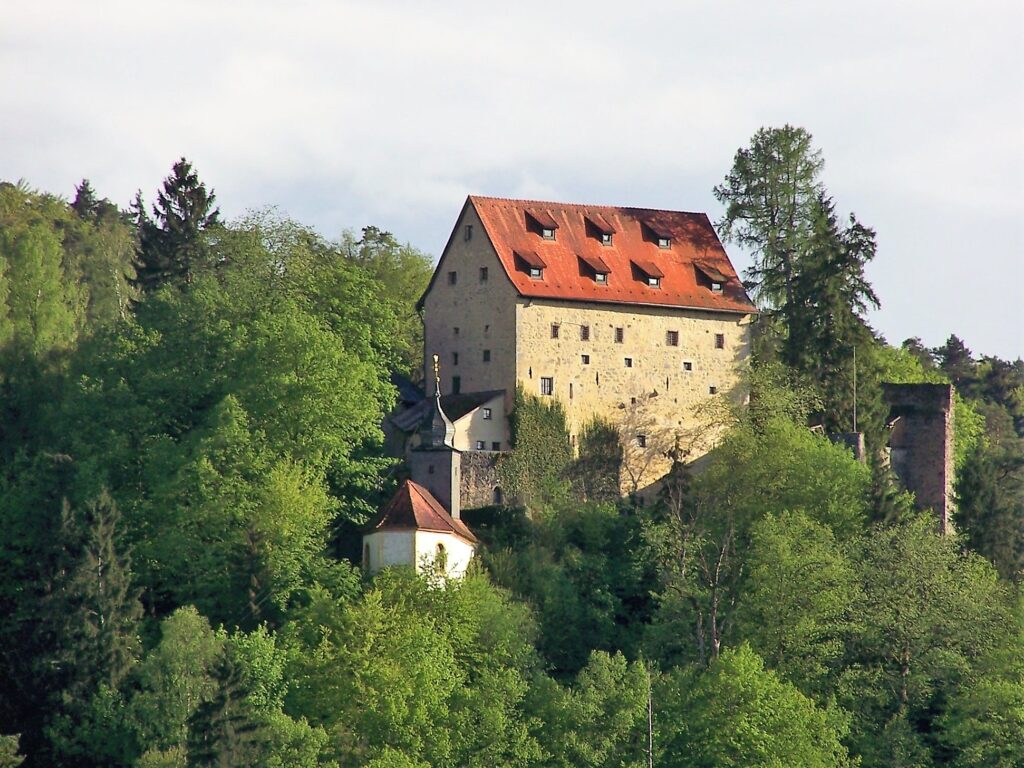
[
  {"x": 796, "y": 605},
  {"x": 738, "y": 713},
  {"x": 928, "y": 612},
  {"x": 173, "y": 244}
]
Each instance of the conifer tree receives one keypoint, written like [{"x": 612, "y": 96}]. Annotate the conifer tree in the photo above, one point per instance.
[{"x": 172, "y": 245}]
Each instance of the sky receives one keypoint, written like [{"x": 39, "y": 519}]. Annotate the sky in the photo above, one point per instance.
[{"x": 344, "y": 114}]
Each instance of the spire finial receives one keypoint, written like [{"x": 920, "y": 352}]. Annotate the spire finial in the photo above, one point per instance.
[{"x": 437, "y": 377}]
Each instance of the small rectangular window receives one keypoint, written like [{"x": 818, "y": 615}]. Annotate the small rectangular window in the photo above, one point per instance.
[
  {"x": 664, "y": 242},
  {"x": 554, "y": 330},
  {"x": 570, "y": 390},
  {"x": 480, "y": 445},
  {"x": 453, "y": 278},
  {"x": 495, "y": 446},
  {"x": 456, "y": 384},
  {"x": 487, "y": 414},
  {"x": 712, "y": 390},
  {"x": 606, "y": 238},
  {"x": 455, "y": 331},
  {"x": 487, "y": 355},
  {"x": 536, "y": 273},
  {"x": 716, "y": 287},
  {"x": 547, "y": 385},
  {"x": 483, "y": 274},
  {"x": 455, "y": 358},
  {"x": 584, "y": 333},
  {"x": 654, "y": 282},
  {"x": 672, "y": 338},
  {"x": 469, "y": 232},
  {"x": 687, "y": 365},
  {"x": 601, "y": 277},
  {"x": 719, "y": 341},
  {"x": 629, "y": 362},
  {"x": 547, "y": 233},
  {"x": 585, "y": 359},
  {"x": 641, "y": 440},
  {"x": 620, "y": 334}
]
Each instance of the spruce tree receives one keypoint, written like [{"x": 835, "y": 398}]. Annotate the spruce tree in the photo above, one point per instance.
[{"x": 172, "y": 244}]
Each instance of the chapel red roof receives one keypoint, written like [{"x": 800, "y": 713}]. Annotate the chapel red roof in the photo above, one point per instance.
[
  {"x": 413, "y": 507},
  {"x": 571, "y": 258}
]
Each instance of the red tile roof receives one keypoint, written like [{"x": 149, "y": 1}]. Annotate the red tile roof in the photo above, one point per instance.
[
  {"x": 414, "y": 508},
  {"x": 565, "y": 260}
]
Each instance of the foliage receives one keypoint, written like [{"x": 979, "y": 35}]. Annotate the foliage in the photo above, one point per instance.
[
  {"x": 599, "y": 464},
  {"x": 535, "y": 471},
  {"x": 737, "y": 713}
]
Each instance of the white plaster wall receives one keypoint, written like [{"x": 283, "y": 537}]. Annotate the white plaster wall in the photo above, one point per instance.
[
  {"x": 473, "y": 426},
  {"x": 389, "y": 548},
  {"x": 459, "y": 552}
]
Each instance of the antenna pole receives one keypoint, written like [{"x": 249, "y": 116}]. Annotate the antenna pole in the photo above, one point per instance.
[{"x": 854, "y": 387}]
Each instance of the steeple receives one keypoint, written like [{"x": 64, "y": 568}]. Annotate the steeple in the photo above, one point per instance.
[
  {"x": 436, "y": 464},
  {"x": 436, "y": 429}
]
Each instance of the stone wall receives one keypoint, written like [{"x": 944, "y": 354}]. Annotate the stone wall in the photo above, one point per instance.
[
  {"x": 921, "y": 444},
  {"x": 479, "y": 478}
]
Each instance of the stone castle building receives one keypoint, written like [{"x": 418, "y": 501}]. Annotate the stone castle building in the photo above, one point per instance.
[{"x": 629, "y": 314}]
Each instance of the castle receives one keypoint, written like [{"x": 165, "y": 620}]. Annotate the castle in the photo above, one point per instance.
[{"x": 631, "y": 315}]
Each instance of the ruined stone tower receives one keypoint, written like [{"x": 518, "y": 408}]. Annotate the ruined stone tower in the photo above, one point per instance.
[{"x": 921, "y": 444}]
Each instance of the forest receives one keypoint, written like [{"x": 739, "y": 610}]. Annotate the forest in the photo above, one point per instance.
[{"x": 190, "y": 438}]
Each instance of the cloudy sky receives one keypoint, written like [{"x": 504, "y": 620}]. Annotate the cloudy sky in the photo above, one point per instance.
[{"x": 349, "y": 113}]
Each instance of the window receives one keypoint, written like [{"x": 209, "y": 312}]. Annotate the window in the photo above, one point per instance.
[
  {"x": 672, "y": 338},
  {"x": 456, "y": 384},
  {"x": 487, "y": 329},
  {"x": 487, "y": 355},
  {"x": 601, "y": 277},
  {"x": 547, "y": 385},
  {"x": 536, "y": 273},
  {"x": 687, "y": 365},
  {"x": 453, "y": 278},
  {"x": 620, "y": 334},
  {"x": 495, "y": 446},
  {"x": 712, "y": 390},
  {"x": 585, "y": 359},
  {"x": 497, "y": 495},
  {"x": 716, "y": 287},
  {"x": 455, "y": 331},
  {"x": 570, "y": 390},
  {"x": 719, "y": 341},
  {"x": 547, "y": 233},
  {"x": 487, "y": 414},
  {"x": 455, "y": 358},
  {"x": 606, "y": 238},
  {"x": 632, "y": 401},
  {"x": 469, "y": 231},
  {"x": 483, "y": 274},
  {"x": 654, "y": 282},
  {"x": 584, "y": 333},
  {"x": 480, "y": 444},
  {"x": 664, "y": 242},
  {"x": 554, "y": 330},
  {"x": 641, "y": 440},
  {"x": 629, "y": 362}
]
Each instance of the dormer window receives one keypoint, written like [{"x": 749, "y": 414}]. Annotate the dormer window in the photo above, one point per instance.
[
  {"x": 594, "y": 267},
  {"x": 541, "y": 222},
  {"x": 648, "y": 271},
  {"x": 601, "y": 277},
  {"x": 599, "y": 228},
  {"x": 710, "y": 278},
  {"x": 716, "y": 287},
  {"x": 531, "y": 263},
  {"x": 658, "y": 234},
  {"x": 664, "y": 242}
]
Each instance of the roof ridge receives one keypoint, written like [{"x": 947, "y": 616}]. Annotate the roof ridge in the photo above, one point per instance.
[{"x": 526, "y": 201}]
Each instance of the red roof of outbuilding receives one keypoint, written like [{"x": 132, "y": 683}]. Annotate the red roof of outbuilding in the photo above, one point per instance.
[
  {"x": 693, "y": 245},
  {"x": 413, "y": 507}
]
